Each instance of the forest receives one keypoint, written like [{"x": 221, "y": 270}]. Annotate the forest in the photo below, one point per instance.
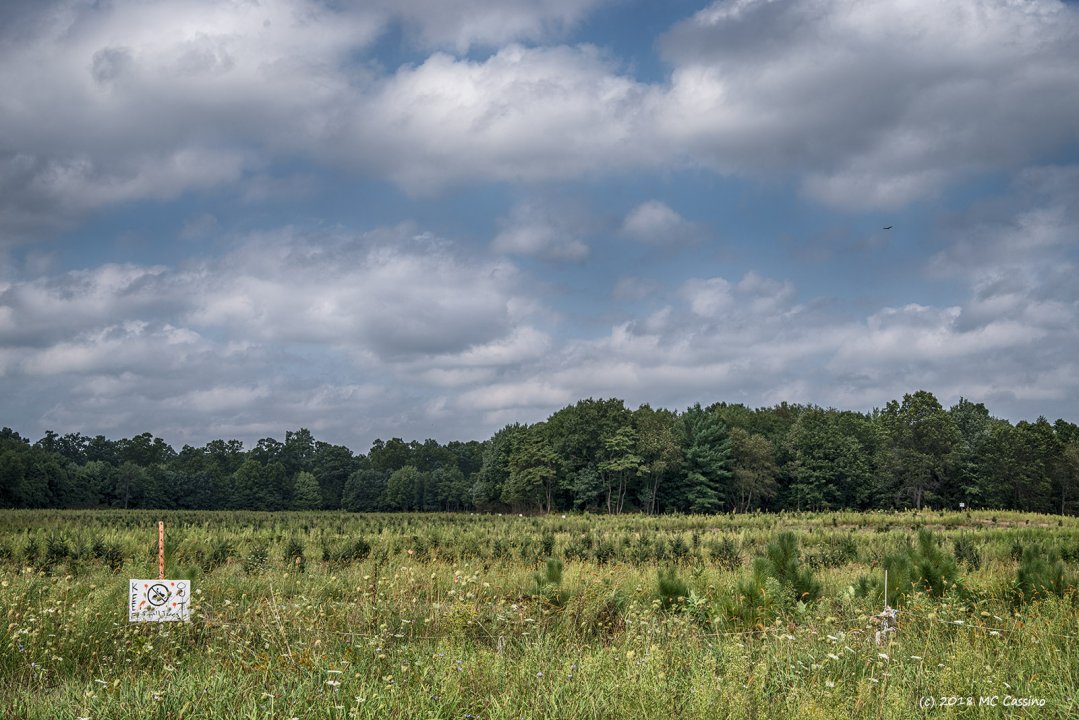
[{"x": 596, "y": 455}]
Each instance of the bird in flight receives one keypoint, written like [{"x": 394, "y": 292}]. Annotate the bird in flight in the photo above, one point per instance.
[{"x": 889, "y": 227}]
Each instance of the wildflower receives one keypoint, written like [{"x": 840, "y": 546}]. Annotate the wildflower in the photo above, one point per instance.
[
  {"x": 829, "y": 683},
  {"x": 539, "y": 674},
  {"x": 333, "y": 683},
  {"x": 882, "y": 656},
  {"x": 994, "y": 633}
]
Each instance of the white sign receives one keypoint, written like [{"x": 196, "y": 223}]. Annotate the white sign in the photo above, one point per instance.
[{"x": 159, "y": 601}]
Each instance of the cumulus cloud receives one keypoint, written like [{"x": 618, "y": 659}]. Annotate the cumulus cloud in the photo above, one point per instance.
[
  {"x": 393, "y": 331},
  {"x": 159, "y": 98},
  {"x": 543, "y": 230},
  {"x": 261, "y": 327},
  {"x": 460, "y": 24},
  {"x": 655, "y": 223},
  {"x": 523, "y": 114},
  {"x": 872, "y": 104}
]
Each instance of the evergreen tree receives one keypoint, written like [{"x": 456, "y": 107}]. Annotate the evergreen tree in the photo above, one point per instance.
[
  {"x": 707, "y": 461},
  {"x": 306, "y": 494},
  {"x": 364, "y": 491}
]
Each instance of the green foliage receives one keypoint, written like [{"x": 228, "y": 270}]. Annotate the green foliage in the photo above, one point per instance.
[
  {"x": 352, "y": 551},
  {"x": 725, "y": 553},
  {"x": 760, "y": 598},
  {"x": 257, "y": 559},
  {"x": 293, "y": 555},
  {"x": 306, "y": 494},
  {"x": 934, "y": 570},
  {"x": 966, "y": 552},
  {"x": 110, "y": 553},
  {"x": 477, "y": 617},
  {"x": 924, "y": 443},
  {"x": 835, "y": 552},
  {"x": 921, "y": 567},
  {"x": 707, "y": 464},
  {"x": 672, "y": 590},
  {"x": 364, "y": 491},
  {"x": 595, "y": 455},
  {"x": 548, "y": 584},
  {"x": 220, "y": 552},
  {"x": 1041, "y": 573},
  {"x": 784, "y": 565}
]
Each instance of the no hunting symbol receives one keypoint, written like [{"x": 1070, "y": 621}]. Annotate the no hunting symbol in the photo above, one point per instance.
[{"x": 159, "y": 600}]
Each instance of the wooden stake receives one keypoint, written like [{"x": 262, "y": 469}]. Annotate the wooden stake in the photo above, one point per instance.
[{"x": 160, "y": 550}]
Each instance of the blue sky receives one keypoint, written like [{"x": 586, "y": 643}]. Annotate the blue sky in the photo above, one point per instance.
[{"x": 430, "y": 218}]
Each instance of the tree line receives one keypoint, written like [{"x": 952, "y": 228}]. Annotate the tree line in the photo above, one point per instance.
[{"x": 595, "y": 455}]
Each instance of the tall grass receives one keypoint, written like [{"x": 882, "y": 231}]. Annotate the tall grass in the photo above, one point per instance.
[{"x": 505, "y": 617}]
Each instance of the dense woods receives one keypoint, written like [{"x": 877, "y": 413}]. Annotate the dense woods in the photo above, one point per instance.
[{"x": 596, "y": 455}]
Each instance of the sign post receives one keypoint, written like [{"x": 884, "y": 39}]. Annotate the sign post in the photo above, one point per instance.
[{"x": 159, "y": 600}]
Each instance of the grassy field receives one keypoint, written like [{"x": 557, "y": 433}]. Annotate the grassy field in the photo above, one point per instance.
[{"x": 332, "y": 615}]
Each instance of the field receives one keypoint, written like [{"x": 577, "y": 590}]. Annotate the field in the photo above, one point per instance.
[{"x": 335, "y": 615}]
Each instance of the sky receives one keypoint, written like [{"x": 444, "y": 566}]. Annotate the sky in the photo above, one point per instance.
[{"x": 431, "y": 218}]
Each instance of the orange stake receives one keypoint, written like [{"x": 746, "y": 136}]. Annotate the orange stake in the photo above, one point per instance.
[{"x": 160, "y": 550}]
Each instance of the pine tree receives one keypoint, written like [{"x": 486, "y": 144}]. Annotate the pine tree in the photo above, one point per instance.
[
  {"x": 306, "y": 494},
  {"x": 708, "y": 460}
]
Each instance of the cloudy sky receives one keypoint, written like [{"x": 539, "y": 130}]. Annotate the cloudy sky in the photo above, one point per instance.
[{"x": 428, "y": 218}]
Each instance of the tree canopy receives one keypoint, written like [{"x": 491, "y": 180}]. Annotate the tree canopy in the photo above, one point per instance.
[{"x": 595, "y": 455}]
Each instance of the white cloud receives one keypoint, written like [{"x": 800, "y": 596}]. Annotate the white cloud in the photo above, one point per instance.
[
  {"x": 871, "y": 104},
  {"x": 539, "y": 230},
  {"x": 460, "y": 24},
  {"x": 876, "y": 103},
  {"x": 654, "y": 222},
  {"x": 523, "y": 114}
]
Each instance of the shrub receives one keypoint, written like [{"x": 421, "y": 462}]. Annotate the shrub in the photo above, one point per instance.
[
  {"x": 108, "y": 553},
  {"x": 835, "y": 552},
  {"x": 760, "y": 597},
  {"x": 548, "y": 584},
  {"x": 672, "y": 590},
  {"x": 257, "y": 559},
  {"x": 931, "y": 568},
  {"x": 353, "y": 551},
  {"x": 923, "y": 567},
  {"x": 679, "y": 549},
  {"x": 725, "y": 553},
  {"x": 293, "y": 554},
  {"x": 547, "y": 543},
  {"x": 784, "y": 566},
  {"x": 57, "y": 550},
  {"x": 219, "y": 554},
  {"x": 1040, "y": 574},
  {"x": 966, "y": 551}
]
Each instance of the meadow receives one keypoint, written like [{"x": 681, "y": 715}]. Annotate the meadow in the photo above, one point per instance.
[{"x": 338, "y": 615}]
